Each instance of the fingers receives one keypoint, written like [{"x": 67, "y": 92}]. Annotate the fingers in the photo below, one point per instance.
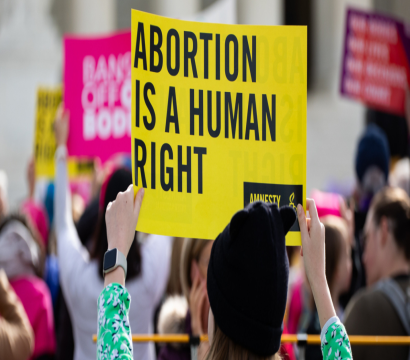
[
  {"x": 308, "y": 224},
  {"x": 302, "y": 223},
  {"x": 138, "y": 201},
  {"x": 311, "y": 207}
]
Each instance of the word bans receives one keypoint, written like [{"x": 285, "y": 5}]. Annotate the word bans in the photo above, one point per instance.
[
  {"x": 115, "y": 68},
  {"x": 106, "y": 123},
  {"x": 167, "y": 172}
]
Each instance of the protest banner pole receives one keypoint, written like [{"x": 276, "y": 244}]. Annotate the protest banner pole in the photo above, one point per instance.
[{"x": 286, "y": 338}]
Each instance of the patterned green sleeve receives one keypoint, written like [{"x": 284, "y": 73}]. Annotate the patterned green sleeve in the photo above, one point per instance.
[
  {"x": 335, "y": 342},
  {"x": 114, "y": 333}
]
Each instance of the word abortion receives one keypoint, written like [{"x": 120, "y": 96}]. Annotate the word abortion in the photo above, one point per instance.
[{"x": 173, "y": 54}]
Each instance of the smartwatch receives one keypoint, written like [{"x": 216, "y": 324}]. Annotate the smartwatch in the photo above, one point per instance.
[{"x": 112, "y": 259}]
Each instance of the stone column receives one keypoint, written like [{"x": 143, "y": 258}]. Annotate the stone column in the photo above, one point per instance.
[
  {"x": 260, "y": 12},
  {"x": 329, "y": 19},
  {"x": 30, "y": 55},
  {"x": 175, "y": 8},
  {"x": 93, "y": 16}
]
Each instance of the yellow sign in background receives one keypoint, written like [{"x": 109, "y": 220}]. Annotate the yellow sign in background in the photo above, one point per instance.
[
  {"x": 48, "y": 101},
  {"x": 218, "y": 121}
]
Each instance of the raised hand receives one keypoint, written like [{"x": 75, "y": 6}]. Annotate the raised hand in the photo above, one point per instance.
[
  {"x": 313, "y": 252},
  {"x": 61, "y": 124},
  {"x": 121, "y": 218}
]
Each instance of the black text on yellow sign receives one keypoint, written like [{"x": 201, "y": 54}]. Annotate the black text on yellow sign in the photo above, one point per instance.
[
  {"x": 48, "y": 101},
  {"x": 217, "y": 112}
]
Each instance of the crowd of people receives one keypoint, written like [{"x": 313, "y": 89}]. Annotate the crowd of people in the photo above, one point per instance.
[{"x": 245, "y": 289}]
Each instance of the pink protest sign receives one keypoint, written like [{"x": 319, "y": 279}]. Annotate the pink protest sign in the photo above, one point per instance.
[{"x": 97, "y": 92}]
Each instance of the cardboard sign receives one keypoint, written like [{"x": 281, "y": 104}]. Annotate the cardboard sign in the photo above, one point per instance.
[
  {"x": 218, "y": 121},
  {"x": 48, "y": 100},
  {"x": 376, "y": 58},
  {"x": 97, "y": 91}
]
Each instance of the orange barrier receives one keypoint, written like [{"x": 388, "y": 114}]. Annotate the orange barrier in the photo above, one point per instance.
[{"x": 286, "y": 338}]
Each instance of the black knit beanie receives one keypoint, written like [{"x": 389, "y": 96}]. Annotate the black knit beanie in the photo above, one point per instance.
[{"x": 248, "y": 277}]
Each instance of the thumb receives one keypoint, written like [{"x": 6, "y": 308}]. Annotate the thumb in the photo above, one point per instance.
[
  {"x": 138, "y": 202},
  {"x": 302, "y": 224}
]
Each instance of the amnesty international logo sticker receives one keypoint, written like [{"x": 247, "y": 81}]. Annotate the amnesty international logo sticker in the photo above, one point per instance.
[
  {"x": 291, "y": 199},
  {"x": 290, "y": 195}
]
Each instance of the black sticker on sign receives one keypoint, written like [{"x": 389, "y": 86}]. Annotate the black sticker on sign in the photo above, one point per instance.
[{"x": 280, "y": 194}]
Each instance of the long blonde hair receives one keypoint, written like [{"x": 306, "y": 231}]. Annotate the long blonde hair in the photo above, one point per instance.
[
  {"x": 191, "y": 250},
  {"x": 223, "y": 348}
]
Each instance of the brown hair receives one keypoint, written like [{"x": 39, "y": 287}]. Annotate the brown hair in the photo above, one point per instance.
[
  {"x": 394, "y": 204},
  {"x": 191, "y": 250},
  {"x": 174, "y": 286},
  {"x": 336, "y": 235},
  {"x": 22, "y": 218},
  {"x": 119, "y": 181},
  {"x": 223, "y": 348}
]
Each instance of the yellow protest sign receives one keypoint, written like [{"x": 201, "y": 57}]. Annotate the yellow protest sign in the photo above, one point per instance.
[
  {"x": 48, "y": 100},
  {"x": 218, "y": 121}
]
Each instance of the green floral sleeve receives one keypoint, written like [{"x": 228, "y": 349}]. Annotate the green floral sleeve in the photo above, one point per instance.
[
  {"x": 335, "y": 342},
  {"x": 114, "y": 333}
]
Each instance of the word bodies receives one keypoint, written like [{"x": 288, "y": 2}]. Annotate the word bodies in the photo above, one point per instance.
[{"x": 97, "y": 92}]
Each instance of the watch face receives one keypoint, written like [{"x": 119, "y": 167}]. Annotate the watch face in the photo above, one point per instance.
[{"x": 110, "y": 258}]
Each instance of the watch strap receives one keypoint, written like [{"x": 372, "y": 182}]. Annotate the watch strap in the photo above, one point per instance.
[{"x": 121, "y": 261}]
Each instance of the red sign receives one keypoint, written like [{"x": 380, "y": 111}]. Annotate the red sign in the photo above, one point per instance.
[{"x": 375, "y": 67}]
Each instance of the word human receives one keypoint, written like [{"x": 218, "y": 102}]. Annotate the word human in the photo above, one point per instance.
[{"x": 233, "y": 111}]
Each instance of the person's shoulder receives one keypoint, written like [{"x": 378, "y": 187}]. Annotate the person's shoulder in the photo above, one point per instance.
[
  {"x": 365, "y": 307},
  {"x": 366, "y": 299}
]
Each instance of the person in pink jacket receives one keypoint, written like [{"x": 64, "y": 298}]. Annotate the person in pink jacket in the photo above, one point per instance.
[{"x": 23, "y": 261}]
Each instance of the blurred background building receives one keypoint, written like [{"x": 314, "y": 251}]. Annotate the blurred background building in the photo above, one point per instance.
[{"x": 31, "y": 55}]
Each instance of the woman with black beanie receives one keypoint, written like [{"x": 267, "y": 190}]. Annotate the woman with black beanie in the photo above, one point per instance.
[{"x": 247, "y": 282}]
